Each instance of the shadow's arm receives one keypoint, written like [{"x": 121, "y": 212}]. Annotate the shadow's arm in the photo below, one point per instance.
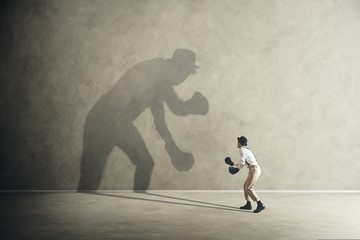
[
  {"x": 158, "y": 112},
  {"x": 198, "y": 104},
  {"x": 181, "y": 160},
  {"x": 176, "y": 105}
]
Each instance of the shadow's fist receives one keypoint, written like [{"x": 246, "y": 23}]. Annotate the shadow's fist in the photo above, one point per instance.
[
  {"x": 199, "y": 104},
  {"x": 182, "y": 161}
]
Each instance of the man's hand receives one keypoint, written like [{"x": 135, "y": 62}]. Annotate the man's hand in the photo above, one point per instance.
[{"x": 233, "y": 170}]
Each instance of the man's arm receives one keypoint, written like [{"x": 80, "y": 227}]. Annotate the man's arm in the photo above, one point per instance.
[{"x": 242, "y": 162}]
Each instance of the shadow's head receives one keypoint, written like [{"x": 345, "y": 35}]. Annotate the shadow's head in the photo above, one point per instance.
[{"x": 183, "y": 61}]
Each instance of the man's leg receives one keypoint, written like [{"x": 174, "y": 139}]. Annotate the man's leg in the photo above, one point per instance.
[
  {"x": 246, "y": 192},
  {"x": 247, "y": 206},
  {"x": 254, "y": 174}
]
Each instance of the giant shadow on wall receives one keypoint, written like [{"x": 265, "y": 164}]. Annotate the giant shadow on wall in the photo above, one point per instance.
[{"x": 110, "y": 122}]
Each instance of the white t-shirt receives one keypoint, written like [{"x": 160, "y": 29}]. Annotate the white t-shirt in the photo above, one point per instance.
[{"x": 246, "y": 156}]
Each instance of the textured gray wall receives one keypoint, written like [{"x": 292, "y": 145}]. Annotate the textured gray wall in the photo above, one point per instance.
[{"x": 89, "y": 85}]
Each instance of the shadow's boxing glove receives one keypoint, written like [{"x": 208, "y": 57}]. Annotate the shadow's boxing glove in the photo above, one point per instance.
[
  {"x": 228, "y": 161},
  {"x": 233, "y": 170}
]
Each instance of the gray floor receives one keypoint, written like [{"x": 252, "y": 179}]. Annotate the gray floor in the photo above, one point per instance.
[{"x": 178, "y": 216}]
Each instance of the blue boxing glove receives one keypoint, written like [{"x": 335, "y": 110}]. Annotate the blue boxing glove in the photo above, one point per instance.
[
  {"x": 233, "y": 170},
  {"x": 228, "y": 161}
]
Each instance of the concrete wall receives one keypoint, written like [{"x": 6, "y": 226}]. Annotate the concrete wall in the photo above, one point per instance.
[{"x": 78, "y": 92}]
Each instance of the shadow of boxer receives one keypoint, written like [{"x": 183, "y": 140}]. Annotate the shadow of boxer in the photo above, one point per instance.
[{"x": 109, "y": 124}]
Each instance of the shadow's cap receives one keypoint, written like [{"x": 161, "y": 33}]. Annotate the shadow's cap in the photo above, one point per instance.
[
  {"x": 242, "y": 140},
  {"x": 184, "y": 57}
]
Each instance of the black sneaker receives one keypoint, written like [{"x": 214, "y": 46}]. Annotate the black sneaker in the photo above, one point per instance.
[
  {"x": 247, "y": 206},
  {"x": 260, "y": 207}
]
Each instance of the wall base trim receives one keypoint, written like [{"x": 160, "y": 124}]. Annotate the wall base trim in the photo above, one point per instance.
[{"x": 177, "y": 191}]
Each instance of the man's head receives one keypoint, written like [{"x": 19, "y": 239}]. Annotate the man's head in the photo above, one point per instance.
[
  {"x": 184, "y": 62},
  {"x": 242, "y": 141}
]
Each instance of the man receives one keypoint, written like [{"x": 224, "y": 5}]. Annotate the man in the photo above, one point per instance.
[{"x": 247, "y": 158}]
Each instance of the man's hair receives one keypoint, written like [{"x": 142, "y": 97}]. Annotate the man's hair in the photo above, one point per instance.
[{"x": 242, "y": 140}]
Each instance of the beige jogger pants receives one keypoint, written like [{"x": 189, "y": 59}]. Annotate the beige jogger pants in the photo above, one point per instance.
[{"x": 254, "y": 174}]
